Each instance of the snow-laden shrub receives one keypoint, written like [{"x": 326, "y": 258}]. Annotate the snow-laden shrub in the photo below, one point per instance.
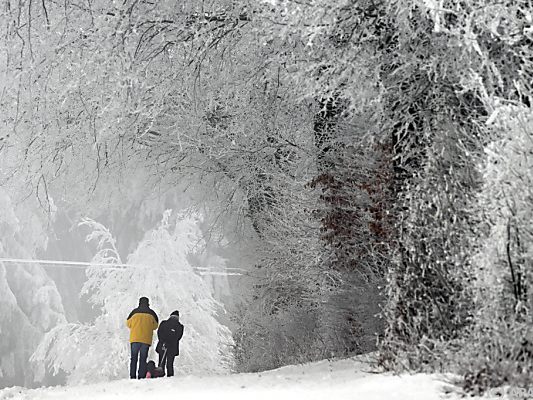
[
  {"x": 161, "y": 271},
  {"x": 267, "y": 340},
  {"x": 499, "y": 352}
]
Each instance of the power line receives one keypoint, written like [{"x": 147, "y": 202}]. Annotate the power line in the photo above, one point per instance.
[{"x": 84, "y": 265}]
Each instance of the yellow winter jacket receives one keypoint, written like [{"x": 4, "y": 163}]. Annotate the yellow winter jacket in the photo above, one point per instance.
[{"x": 142, "y": 322}]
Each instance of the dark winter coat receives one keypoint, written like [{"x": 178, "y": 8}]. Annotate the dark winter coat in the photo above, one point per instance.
[
  {"x": 142, "y": 321},
  {"x": 169, "y": 333}
]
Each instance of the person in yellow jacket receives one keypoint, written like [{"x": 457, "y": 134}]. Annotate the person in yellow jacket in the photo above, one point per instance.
[{"x": 142, "y": 322}]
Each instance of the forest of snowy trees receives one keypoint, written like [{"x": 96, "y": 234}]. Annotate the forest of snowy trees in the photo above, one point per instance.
[{"x": 366, "y": 164}]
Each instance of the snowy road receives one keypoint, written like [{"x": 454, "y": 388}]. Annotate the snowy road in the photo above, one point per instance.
[{"x": 345, "y": 379}]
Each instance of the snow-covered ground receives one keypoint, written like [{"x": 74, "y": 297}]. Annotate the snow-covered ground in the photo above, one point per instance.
[{"x": 324, "y": 380}]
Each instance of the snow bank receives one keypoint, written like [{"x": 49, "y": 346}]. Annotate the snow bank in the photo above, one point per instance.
[{"x": 344, "y": 379}]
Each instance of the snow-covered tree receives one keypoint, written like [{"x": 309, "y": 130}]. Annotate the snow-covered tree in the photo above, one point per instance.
[
  {"x": 31, "y": 304},
  {"x": 161, "y": 270},
  {"x": 502, "y": 267},
  {"x": 505, "y": 258}
]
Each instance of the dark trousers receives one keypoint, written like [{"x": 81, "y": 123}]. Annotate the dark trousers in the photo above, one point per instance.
[
  {"x": 169, "y": 361},
  {"x": 139, "y": 351}
]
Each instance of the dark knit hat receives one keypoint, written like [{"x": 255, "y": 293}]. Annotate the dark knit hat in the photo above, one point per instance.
[
  {"x": 176, "y": 313},
  {"x": 143, "y": 301}
]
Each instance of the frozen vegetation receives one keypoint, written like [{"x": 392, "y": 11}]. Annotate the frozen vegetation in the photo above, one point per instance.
[{"x": 303, "y": 180}]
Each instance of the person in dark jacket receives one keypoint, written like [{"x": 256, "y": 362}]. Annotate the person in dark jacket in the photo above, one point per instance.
[
  {"x": 142, "y": 322},
  {"x": 169, "y": 334}
]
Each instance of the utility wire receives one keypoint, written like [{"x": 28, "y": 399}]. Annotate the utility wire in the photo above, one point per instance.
[{"x": 84, "y": 265}]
